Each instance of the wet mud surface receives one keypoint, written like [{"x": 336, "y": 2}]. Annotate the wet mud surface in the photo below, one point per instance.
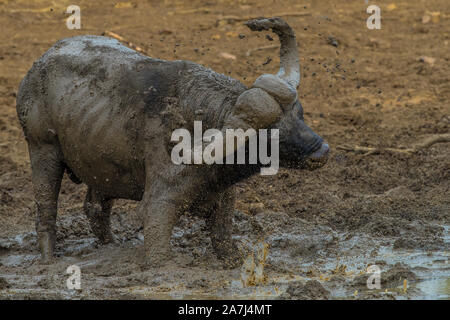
[
  {"x": 302, "y": 234},
  {"x": 303, "y": 261}
]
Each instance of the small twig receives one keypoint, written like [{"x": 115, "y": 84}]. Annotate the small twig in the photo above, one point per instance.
[
  {"x": 122, "y": 39},
  {"x": 251, "y": 51},
  {"x": 245, "y": 18},
  {"x": 197, "y": 10},
  {"x": 358, "y": 149},
  {"x": 427, "y": 142},
  {"x": 47, "y": 9},
  {"x": 432, "y": 140}
]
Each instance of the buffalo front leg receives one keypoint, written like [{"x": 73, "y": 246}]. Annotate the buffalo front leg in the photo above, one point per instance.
[
  {"x": 220, "y": 227},
  {"x": 169, "y": 190},
  {"x": 98, "y": 210},
  {"x": 47, "y": 172},
  {"x": 160, "y": 217}
]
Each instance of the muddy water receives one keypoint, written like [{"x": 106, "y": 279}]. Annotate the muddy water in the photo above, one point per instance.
[
  {"x": 282, "y": 257},
  {"x": 434, "y": 284}
]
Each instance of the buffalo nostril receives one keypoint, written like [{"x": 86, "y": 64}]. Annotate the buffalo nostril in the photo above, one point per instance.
[{"x": 320, "y": 153}]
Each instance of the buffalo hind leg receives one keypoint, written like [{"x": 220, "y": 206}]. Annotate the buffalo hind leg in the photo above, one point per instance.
[
  {"x": 47, "y": 172},
  {"x": 98, "y": 210}
]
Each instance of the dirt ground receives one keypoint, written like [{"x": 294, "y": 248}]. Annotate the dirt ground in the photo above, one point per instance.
[{"x": 387, "y": 88}]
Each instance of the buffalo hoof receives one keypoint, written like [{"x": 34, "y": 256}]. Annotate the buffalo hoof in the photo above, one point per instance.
[
  {"x": 156, "y": 261},
  {"x": 47, "y": 260},
  {"x": 106, "y": 239},
  {"x": 230, "y": 258},
  {"x": 232, "y": 262}
]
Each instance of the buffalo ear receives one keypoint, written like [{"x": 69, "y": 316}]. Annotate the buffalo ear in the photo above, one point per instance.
[
  {"x": 278, "y": 88},
  {"x": 254, "y": 108}
]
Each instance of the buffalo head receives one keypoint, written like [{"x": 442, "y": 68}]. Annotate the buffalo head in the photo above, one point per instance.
[{"x": 272, "y": 102}]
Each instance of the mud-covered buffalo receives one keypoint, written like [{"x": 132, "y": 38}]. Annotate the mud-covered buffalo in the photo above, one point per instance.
[{"x": 370, "y": 223}]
